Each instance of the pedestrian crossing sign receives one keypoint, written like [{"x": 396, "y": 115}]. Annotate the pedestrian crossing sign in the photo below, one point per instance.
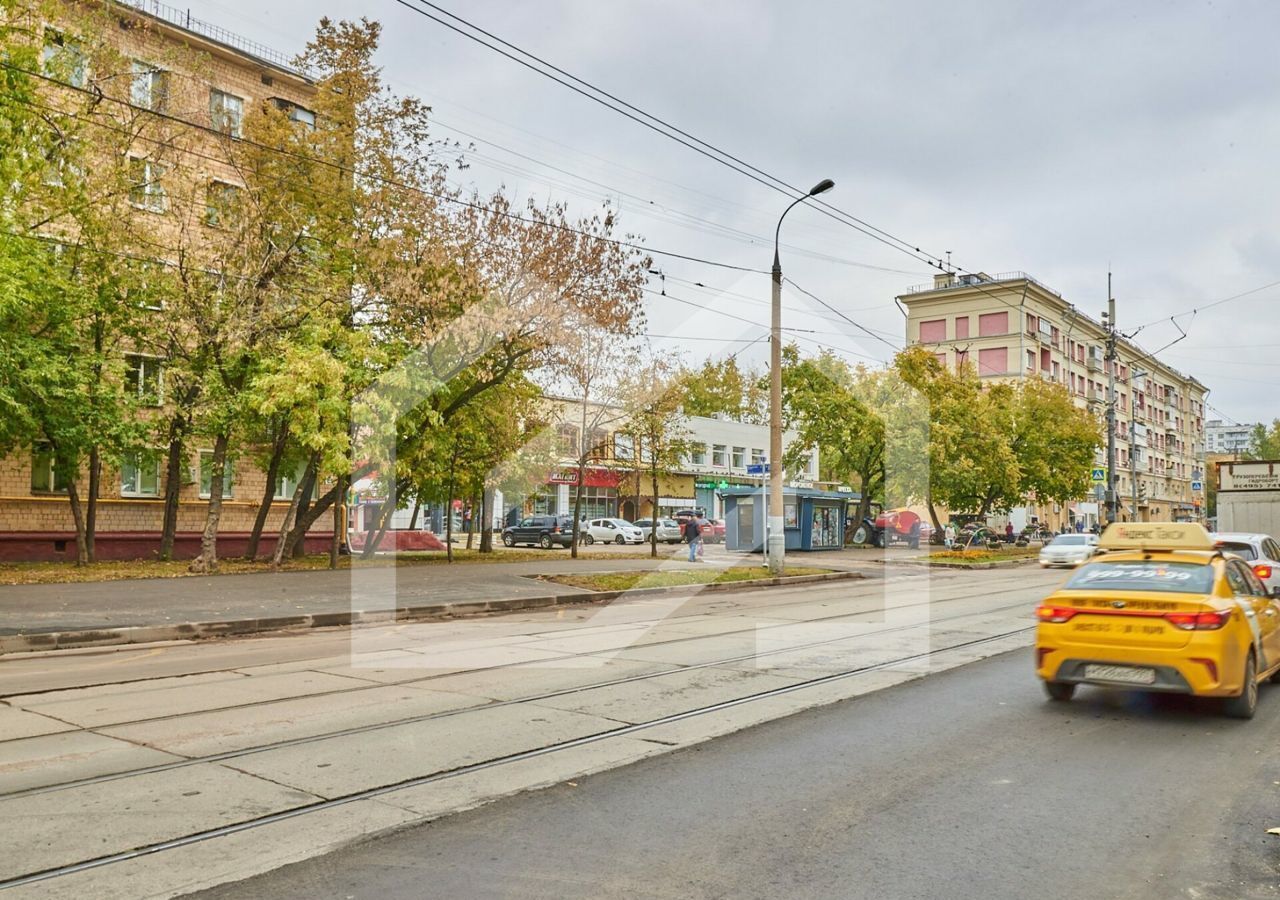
[{"x": 1099, "y": 475}]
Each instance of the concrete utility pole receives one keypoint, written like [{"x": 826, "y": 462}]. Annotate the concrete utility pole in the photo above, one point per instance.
[
  {"x": 1133, "y": 453},
  {"x": 1113, "y": 505},
  {"x": 776, "y": 537}
]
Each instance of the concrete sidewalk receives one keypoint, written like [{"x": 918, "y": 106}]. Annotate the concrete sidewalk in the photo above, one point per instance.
[{"x": 48, "y": 608}]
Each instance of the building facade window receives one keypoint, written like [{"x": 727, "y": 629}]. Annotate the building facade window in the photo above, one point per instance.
[
  {"x": 297, "y": 114},
  {"x": 933, "y": 332},
  {"x": 739, "y": 457},
  {"x": 149, "y": 86},
  {"x": 146, "y": 189},
  {"x": 597, "y": 502},
  {"x": 698, "y": 455},
  {"x": 993, "y": 360},
  {"x": 140, "y": 474},
  {"x": 222, "y": 202},
  {"x": 757, "y": 456},
  {"x": 624, "y": 446},
  {"x": 226, "y": 112},
  {"x": 45, "y": 478},
  {"x": 206, "y": 475},
  {"x": 990, "y": 324},
  {"x": 567, "y": 438},
  {"x": 64, "y": 60},
  {"x": 962, "y": 327},
  {"x": 720, "y": 456},
  {"x": 287, "y": 483},
  {"x": 144, "y": 379}
]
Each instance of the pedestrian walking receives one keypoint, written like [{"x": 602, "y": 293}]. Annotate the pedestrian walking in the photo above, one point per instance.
[
  {"x": 1008, "y": 533},
  {"x": 949, "y": 536},
  {"x": 704, "y": 528},
  {"x": 693, "y": 537},
  {"x": 913, "y": 536}
]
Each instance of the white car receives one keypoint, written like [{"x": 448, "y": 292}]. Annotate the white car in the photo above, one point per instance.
[
  {"x": 668, "y": 530},
  {"x": 612, "y": 531},
  {"x": 1260, "y": 551},
  {"x": 1068, "y": 550}
]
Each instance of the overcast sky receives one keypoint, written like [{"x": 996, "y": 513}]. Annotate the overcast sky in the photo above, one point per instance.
[{"x": 1058, "y": 139}]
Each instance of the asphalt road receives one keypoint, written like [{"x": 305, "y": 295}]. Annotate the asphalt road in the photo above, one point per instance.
[{"x": 966, "y": 784}]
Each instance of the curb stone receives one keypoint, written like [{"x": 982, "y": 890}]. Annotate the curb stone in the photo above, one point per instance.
[{"x": 147, "y": 634}]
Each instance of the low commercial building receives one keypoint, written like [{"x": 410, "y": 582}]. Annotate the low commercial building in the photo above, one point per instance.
[{"x": 720, "y": 452}]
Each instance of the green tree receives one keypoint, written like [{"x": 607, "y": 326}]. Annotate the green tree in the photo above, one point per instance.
[
  {"x": 653, "y": 400},
  {"x": 1264, "y": 441},
  {"x": 830, "y": 407},
  {"x": 722, "y": 387}
]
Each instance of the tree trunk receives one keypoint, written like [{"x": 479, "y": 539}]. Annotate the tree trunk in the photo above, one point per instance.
[
  {"x": 299, "y": 545},
  {"x": 283, "y": 535},
  {"x": 413, "y": 519},
  {"x": 486, "y": 523},
  {"x": 91, "y": 518},
  {"x": 448, "y": 508},
  {"x": 172, "y": 483},
  {"x": 207, "y": 561},
  {"x": 77, "y": 516},
  {"x": 471, "y": 522},
  {"x": 306, "y": 518},
  {"x": 339, "y": 531},
  {"x": 653, "y": 513},
  {"x": 577, "y": 509},
  {"x": 269, "y": 492}
]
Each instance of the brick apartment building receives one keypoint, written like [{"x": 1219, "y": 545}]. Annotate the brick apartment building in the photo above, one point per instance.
[{"x": 233, "y": 74}]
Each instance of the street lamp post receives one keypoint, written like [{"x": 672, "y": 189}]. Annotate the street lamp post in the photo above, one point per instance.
[{"x": 776, "y": 540}]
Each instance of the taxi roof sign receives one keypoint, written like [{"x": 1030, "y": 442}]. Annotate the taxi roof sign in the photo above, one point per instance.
[{"x": 1156, "y": 536}]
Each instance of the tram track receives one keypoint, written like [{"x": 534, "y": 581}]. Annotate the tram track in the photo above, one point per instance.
[
  {"x": 196, "y": 837},
  {"x": 442, "y": 714}
]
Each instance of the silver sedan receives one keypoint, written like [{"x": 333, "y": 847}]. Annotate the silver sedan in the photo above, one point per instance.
[
  {"x": 1068, "y": 550},
  {"x": 668, "y": 530}
]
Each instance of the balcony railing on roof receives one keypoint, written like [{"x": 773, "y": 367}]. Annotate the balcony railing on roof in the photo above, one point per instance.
[
  {"x": 183, "y": 19},
  {"x": 969, "y": 280}
]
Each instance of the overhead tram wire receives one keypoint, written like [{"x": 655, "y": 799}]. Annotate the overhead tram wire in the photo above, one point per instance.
[
  {"x": 660, "y": 126},
  {"x": 666, "y": 129},
  {"x": 672, "y": 132},
  {"x": 729, "y": 232},
  {"x": 1199, "y": 309},
  {"x": 871, "y": 333},
  {"x": 381, "y": 179}
]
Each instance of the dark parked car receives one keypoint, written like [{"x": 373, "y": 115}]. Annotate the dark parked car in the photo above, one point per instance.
[{"x": 542, "y": 531}]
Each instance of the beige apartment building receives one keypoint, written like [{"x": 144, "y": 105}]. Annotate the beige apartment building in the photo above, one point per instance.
[
  {"x": 230, "y": 75},
  {"x": 1010, "y": 326}
]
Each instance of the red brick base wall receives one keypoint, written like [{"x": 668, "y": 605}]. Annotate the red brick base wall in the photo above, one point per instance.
[{"x": 53, "y": 546}]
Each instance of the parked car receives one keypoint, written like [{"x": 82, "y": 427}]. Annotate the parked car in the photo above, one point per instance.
[
  {"x": 681, "y": 514},
  {"x": 612, "y": 531},
  {"x": 715, "y": 535},
  {"x": 1069, "y": 550},
  {"x": 1260, "y": 551},
  {"x": 542, "y": 531},
  {"x": 668, "y": 530}
]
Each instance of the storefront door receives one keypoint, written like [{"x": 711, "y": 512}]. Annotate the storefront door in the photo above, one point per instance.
[{"x": 746, "y": 523}]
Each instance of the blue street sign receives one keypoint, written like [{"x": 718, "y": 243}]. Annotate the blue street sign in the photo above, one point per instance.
[
  {"x": 758, "y": 469},
  {"x": 1098, "y": 474},
  {"x": 1197, "y": 486}
]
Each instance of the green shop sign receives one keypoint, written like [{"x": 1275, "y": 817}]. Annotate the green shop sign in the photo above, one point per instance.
[{"x": 711, "y": 485}]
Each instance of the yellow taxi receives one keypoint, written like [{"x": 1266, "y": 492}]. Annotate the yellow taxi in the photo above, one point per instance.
[{"x": 1163, "y": 609}]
